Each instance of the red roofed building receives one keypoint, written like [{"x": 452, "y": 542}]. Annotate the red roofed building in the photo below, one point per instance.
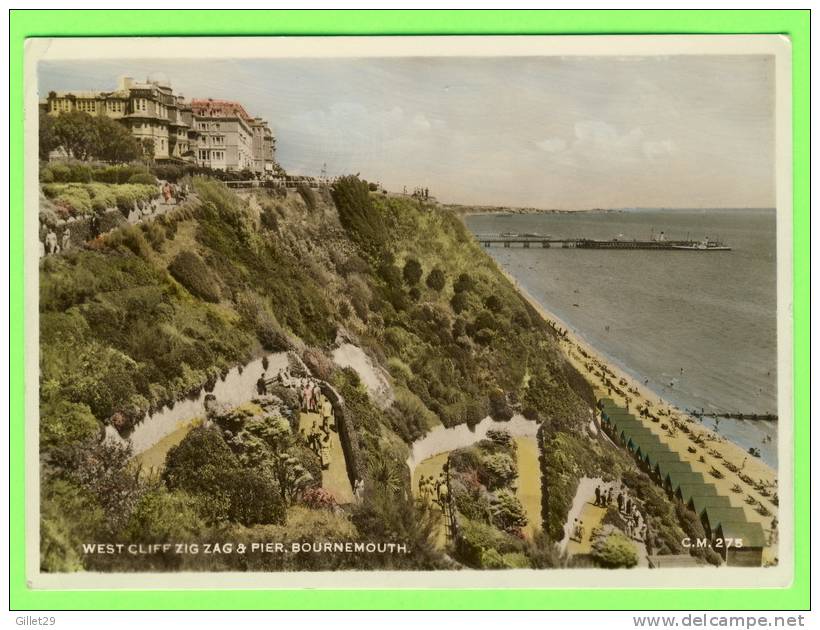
[
  {"x": 225, "y": 136},
  {"x": 215, "y": 133}
]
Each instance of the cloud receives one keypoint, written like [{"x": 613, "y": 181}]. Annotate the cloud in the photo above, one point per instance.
[
  {"x": 552, "y": 145},
  {"x": 658, "y": 148}
]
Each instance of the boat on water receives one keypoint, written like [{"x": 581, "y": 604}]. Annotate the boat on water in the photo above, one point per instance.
[{"x": 704, "y": 245}]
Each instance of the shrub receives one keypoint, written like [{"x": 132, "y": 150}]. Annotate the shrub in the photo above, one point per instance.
[
  {"x": 191, "y": 272},
  {"x": 508, "y": 513},
  {"x": 477, "y": 538},
  {"x": 497, "y": 470},
  {"x": 493, "y": 303},
  {"x": 614, "y": 550},
  {"x": 307, "y": 195},
  {"x": 459, "y": 303},
  {"x": 412, "y": 271},
  {"x": 357, "y": 214},
  {"x": 142, "y": 178},
  {"x": 436, "y": 279},
  {"x": 155, "y": 234},
  {"x": 65, "y": 423},
  {"x": 464, "y": 283}
]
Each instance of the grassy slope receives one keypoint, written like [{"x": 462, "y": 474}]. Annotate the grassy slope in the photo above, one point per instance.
[{"x": 121, "y": 335}]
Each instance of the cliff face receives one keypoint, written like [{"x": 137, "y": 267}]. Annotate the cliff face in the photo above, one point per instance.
[{"x": 153, "y": 312}]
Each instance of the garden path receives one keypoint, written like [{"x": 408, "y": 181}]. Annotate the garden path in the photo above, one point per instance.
[{"x": 334, "y": 479}]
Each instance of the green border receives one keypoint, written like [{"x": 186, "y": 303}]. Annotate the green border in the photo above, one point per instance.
[{"x": 50, "y": 23}]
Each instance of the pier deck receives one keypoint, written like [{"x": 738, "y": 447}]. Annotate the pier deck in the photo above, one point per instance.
[{"x": 488, "y": 240}]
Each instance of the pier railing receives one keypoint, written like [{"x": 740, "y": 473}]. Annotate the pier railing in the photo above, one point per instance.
[{"x": 527, "y": 242}]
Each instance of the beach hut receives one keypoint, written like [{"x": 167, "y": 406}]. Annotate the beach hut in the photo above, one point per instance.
[
  {"x": 651, "y": 456},
  {"x": 673, "y": 480},
  {"x": 668, "y": 466},
  {"x": 711, "y": 517},
  {"x": 741, "y": 543},
  {"x": 699, "y": 503},
  {"x": 686, "y": 491},
  {"x": 639, "y": 437},
  {"x": 645, "y": 445}
]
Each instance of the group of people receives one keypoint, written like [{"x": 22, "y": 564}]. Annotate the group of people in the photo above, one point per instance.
[
  {"x": 312, "y": 400},
  {"x": 53, "y": 245},
  {"x": 628, "y": 508},
  {"x": 174, "y": 193},
  {"x": 434, "y": 490},
  {"x": 578, "y": 530}
]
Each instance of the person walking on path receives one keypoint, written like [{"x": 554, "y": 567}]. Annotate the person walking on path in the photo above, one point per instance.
[
  {"x": 629, "y": 506},
  {"x": 598, "y": 495},
  {"x": 620, "y": 502}
]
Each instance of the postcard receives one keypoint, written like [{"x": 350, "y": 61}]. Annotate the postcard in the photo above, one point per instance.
[{"x": 416, "y": 312}]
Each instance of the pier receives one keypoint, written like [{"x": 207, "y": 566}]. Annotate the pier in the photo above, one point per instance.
[
  {"x": 735, "y": 415},
  {"x": 545, "y": 242}
]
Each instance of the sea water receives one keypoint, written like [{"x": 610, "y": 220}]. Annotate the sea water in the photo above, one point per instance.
[{"x": 700, "y": 326}]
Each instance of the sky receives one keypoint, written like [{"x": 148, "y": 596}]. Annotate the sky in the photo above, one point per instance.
[{"x": 547, "y": 132}]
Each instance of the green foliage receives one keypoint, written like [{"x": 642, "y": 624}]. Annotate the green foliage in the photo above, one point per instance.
[
  {"x": 114, "y": 142},
  {"x": 86, "y": 137},
  {"x": 565, "y": 458},
  {"x": 188, "y": 269},
  {"x": 464, "y": 283},
  {"x": 614, "y": 551},
  {"x": 412, "y": 271},
  {"x": 508, "y": 513},
  {"x": 693, "y": 526},
  {"x": 658, "y": 511},
  {"x": 69, "y": 517},
  {"x": 308, "y": 195},
  {"x": 47, "y": 138},
  {"x": 497, "y": 470},
  {"x": 358, "y": 215},
  {"x": 142, "y": 178},
  {"x": 436, "y": 279},
  {"x": 459, "y": 302},
  {"x": 162, "y": 516},
  {"x": 482, "y": 546},
  {"x": 203, "y": 466},
  {"x": 101, "y": 469},
  {"x": 63, "y": 423},
  {"x": 76, "y": 199}
]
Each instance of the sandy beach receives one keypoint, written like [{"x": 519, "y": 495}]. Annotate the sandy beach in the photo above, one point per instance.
[{"x": 752, "y": 487}]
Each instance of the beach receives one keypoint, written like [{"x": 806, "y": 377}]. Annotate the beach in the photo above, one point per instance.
[{"x": 753, "y": 487}]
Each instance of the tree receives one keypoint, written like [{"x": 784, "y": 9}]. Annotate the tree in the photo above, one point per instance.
[
  {"x": 47, "y": 137},
  {"x": 358, "y": 215},
  {"x": 436, "y": 279},
  {"x": 114, "y": 142},
  {"x": 459, "y": 302},
  {"x": 77, "y": 133},
  {"x": 200, "y": 465},
  {"x": 493, "y": 303},
  {"x": 412, "y": 271},
  {"x": 463, "y": 283}
]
